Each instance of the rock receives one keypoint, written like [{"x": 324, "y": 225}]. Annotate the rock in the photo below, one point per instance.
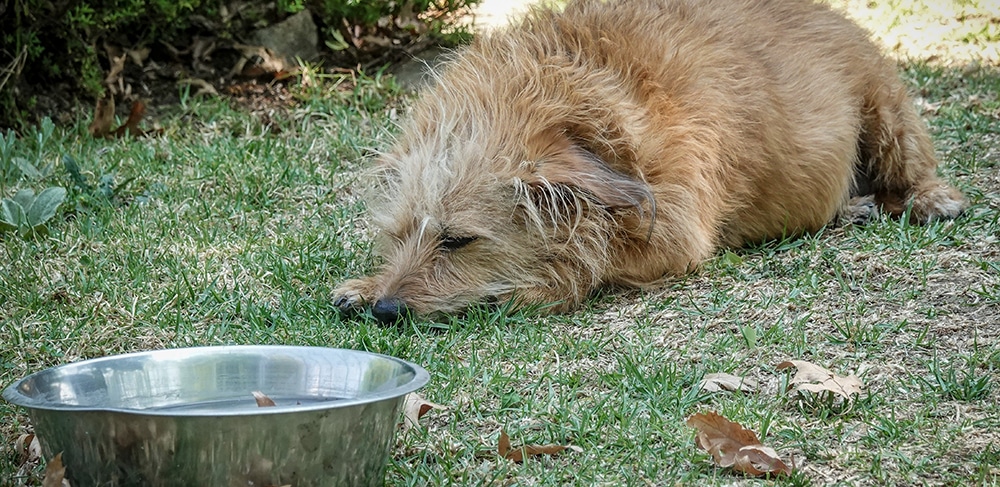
[
  {"x": 294, "y": 37},
  {"x": 414, "y": 74}
]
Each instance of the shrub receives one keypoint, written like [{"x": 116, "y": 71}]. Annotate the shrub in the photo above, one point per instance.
[{"x": 48, "y": 46}]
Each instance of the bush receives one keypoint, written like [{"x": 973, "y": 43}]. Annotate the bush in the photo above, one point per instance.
[
  {"x": 371, "y": 32},
  {"x": 48, "y": 46}
]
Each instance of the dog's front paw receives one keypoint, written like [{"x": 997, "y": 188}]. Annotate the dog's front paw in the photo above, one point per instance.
[
  {"x": 860, "y": 210},
  {"x": 937, "y": 202},
  {"x": 352, "y": 295}
]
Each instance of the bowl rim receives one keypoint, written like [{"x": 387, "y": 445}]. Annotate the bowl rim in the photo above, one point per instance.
[{"x": 13, "y": 395}]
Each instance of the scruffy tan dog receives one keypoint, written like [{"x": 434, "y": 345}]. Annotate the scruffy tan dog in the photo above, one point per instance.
[{"x": 622, "y": 141}]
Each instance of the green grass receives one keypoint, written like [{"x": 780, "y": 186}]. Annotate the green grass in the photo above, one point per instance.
[{"x": 230, "y": 233}]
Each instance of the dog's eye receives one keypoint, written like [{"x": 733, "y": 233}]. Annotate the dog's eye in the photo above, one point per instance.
[{"x": 449, "y": 243}]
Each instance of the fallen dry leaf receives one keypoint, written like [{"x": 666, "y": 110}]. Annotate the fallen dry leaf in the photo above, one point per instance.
[
  {"x": 256, "y": 62},
  {"x": 114, "y": 81},
  {"x": 138, "y": 56},
  {"x": 414, "y": 408},
  {"x": 55, "y": 473},
  {"x": 262, "y": 400},
  {"x": 726, "y": 382},
  {"x": 104, "y": 116},
  {"x": 28, "y": 448},
  {"x": 201, "y": 53},
  {"x": 759, "y": 460},
  {"x": 518, "y": 454},
  {"x": 816, "y": 379},
  {"x": 131, "y": 126},
  {"x": 202, "y": 87},
  {"x": 733, "y": 446}
]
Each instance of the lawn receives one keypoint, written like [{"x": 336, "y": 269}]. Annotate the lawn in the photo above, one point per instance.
[{"x": 233, "y": 226}]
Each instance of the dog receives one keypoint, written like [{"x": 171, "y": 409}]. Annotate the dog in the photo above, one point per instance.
[{"x": 623, "y": 142}]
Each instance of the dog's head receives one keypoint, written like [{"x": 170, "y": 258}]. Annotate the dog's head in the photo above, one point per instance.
[
  {"x": 467, "y": 218},
  {"x": 506, "y": 183}
]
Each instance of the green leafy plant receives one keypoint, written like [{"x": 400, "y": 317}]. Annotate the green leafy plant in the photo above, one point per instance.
[
  {"x": 106, "y": 189},
  {"x": 27, "y": 213},
  {"x": 14, "y": 168}
]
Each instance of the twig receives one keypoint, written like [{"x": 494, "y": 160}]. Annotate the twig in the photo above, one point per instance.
[{"x": 15, "y": 66}]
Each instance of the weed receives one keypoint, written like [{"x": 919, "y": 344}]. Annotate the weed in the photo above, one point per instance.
[{"x": 959, "y": 383}]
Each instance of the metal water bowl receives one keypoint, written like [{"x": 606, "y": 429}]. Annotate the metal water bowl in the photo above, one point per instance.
[{"x": 188, "y": 417}]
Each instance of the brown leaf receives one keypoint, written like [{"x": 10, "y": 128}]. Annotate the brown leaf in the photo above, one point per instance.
[
  {"x": 138, "y": 56},
  {"x": 55, "y": 473},
  {"x": 726, "y": 382},
  {"x": 104, "y": 116},
  {"x": 175, "y": 53},
  {"x": 114, "y": 80},
  {"x": 732, "y": 445},
  {"x": 203, "y": 87},
  {"x": 28, "y": 448},
  {"x": 720, "y": 437},
  {"x": 503, "y": 446},
  {"x": 518, "y": 454},
  {"x": 414, "y": 408},
  {"x": 262, "y": 400},
  {"x": 131, "y": 126},
  {"x": 257, "y": 62},
  {"x": 813, "y": 378},
  {"x": 116, "y": 58},
  {"x": 201, "y": 53},
  {"x": 759, "y": 460}
]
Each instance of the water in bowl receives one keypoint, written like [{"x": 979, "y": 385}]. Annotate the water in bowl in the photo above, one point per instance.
[{"x": 244, "y": 403}]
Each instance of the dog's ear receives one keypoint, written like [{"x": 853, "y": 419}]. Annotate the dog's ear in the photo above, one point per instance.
[
  {"x": 582, "y": 170},
  {"x": 569, "y": 174}
]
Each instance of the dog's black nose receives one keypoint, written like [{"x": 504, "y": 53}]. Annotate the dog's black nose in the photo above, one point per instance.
[{"x": 390, "y": 310}]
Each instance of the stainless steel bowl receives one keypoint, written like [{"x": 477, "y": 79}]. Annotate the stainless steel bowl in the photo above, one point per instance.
[{"x": 188, "y": 417}]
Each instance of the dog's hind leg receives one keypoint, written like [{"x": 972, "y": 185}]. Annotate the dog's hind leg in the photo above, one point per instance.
[{"x": 897, "y": 165}]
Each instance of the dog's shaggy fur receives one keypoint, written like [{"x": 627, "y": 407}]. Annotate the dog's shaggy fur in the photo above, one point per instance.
[{"x": 622, "y": 141}]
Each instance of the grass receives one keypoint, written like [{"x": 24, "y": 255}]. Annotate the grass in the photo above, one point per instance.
[{"x": 236, "y": 227}]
